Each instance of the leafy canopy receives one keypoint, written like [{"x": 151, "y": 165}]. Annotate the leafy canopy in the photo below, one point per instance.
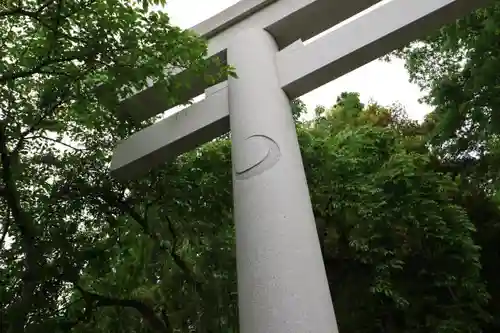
[{"x": 59, "y": 209}]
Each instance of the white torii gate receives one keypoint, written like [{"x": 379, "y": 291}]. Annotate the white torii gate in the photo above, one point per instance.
[{"x": 282, "y": 285}]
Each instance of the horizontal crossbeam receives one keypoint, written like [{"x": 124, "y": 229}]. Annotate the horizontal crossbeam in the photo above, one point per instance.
[
  {"x": 173, "y": 136},
  {"x": 301, "y": 68}
]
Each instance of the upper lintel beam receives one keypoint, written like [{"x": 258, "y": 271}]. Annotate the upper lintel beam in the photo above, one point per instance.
[
  {"x": 229, "y": 17},
  {"x": 286, "y": 20},
  {"x": 303, "y": 68}
]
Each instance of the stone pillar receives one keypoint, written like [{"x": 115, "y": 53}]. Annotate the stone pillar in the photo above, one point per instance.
[{"x": 282, "y": 284}]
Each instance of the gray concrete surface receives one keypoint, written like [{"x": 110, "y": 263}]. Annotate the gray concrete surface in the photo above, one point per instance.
[
  {"x": 282, "y": 284},
  {"x": 380, "y": 31},
  {"x": 172, "y": 136}
]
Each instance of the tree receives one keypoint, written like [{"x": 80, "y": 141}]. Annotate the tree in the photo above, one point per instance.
[
  {"x": 398, "y": 247},
  {"x": 458, "y": 66},
  {"x": 58, "y": 207}
]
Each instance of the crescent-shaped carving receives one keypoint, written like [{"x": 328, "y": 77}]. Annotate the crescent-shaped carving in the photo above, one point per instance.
[{"x": 260, "y": 153}]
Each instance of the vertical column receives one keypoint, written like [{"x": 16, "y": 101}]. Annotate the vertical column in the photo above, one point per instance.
[{"x": 282, "y": 283}]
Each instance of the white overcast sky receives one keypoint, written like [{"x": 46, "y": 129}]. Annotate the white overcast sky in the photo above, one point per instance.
[{"x": 383, "y": 82}]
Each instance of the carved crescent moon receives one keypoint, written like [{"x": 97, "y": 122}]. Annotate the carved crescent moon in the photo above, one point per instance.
[{"x": 260, "y": 153}]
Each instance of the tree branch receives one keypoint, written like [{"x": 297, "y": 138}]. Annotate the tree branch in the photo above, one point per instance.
[
  {"x": 36, "y": 16},
  {"x": 11, "y": 194},
  {"x": 94, "y": 301},
  {"x": 14, "y": 75},
  {"x": 28, "y": 236},
  {"x": 113, "y": 200},
  {"x": 55, "y": 28},
  {"x": 16, "y": 11},
  {"x": 190, "y": 275},
  {"x": 56, "y": 141},
  {"x": 80, "y": 8},
  {"x": 4, "y": 42},
  {"x": 44, "y": 116},
  {"x": 126, "y": 208},
  {"x": 5, "y": 231},
  {"x": 44, "y": 5},
  {"x": 65, "y": 97}
]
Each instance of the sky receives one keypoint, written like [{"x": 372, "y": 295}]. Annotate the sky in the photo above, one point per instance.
[{"x": 379, "y": 81}]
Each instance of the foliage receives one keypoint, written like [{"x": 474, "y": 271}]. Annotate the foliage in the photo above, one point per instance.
[
  {"x": 399, "y": 250},
  {"x": 61, "y": 215},
  {"x": 458, "y": 66}
]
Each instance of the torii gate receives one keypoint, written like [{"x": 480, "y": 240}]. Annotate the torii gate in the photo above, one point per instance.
[{"x": 282, "y": 285}]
